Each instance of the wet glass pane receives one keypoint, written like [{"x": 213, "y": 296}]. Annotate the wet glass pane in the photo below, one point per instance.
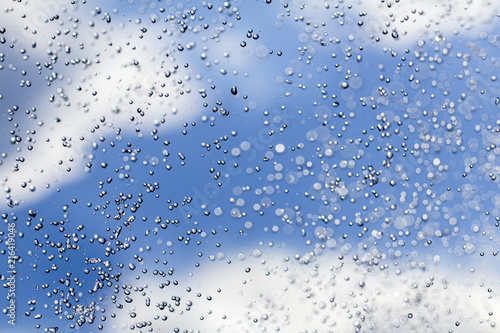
[{"x": 249, "y": 166}]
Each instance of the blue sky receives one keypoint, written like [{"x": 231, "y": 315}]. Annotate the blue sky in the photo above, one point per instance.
[{"x": 191, "y": 151}]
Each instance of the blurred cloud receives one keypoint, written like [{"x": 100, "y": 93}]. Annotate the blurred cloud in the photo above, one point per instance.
[
  {"x": 270, "y": 290},
  {"x": 107, "y": 81}
]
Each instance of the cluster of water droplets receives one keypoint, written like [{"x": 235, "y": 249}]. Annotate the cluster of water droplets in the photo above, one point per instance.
[{"x": 264, "y": 166}]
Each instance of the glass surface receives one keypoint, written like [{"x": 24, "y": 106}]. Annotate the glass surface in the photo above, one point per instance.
[{"x": 250, "y": 166}]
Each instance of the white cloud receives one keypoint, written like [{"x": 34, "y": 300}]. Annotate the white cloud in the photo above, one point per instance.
[
  {"x": 113, "y": 69},
  {"x": 411, "y": 19},
  {"x": 327, "y": 295}
]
